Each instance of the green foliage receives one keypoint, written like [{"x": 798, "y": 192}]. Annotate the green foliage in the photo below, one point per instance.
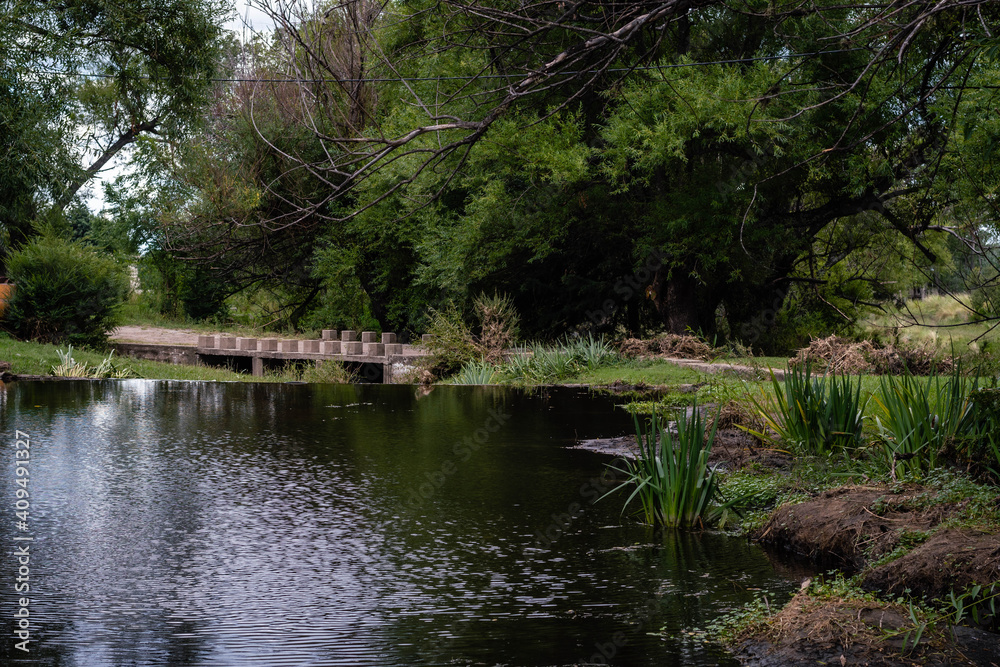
[
  {"x": 536, "y": 364},
  {"x": 69, "y": 367},
  {"x": 919, "y": 417},
  {"x": 202, "y": 293},
  {"x": 475, "y": 373},
  {"x": 65, "y": 293},
  {"x": 817, "y": 415},
  {"x": 328, "y": 371},
  {"x": 672, "y": 478},
  {"x": 454, "y": 344},
  {"x": 986, "y": 447}
]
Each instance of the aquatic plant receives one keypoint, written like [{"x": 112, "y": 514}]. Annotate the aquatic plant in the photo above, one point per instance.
[
  {"x": 671, "y": 476},
  {"x": 918, "y": 417},
  {"x": 817, "y": 415},
  {"x": 476, "y": 372},
  {"x": 69, "y": 367}
]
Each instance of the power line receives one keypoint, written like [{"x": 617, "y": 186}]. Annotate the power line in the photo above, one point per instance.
[{"x": 646, "y": 68}]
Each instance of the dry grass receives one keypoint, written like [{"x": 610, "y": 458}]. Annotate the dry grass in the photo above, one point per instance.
[
  {"x": 667, "y": 345},
  {"x": 841, "y": 356}
]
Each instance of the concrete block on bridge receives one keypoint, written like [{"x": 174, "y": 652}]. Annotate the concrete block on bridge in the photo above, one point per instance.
[
  {"x": 348, "y": 336},
  {"x": 369, "y": 337},
  {"x": 330, "y": 334},
  {"x": 246, "y": 344},
  {"x": 374, "y": 349},
  {"x": 208, "y": 341},
  {"x": 352, "y": 347},
  {"x": 388, "y": 339},
  {"x": 310, "y": 346},
  {"x": 227, "y": 342},
  {"x": 289, "y": 346},
  {"x": 268, "y": 345},
  {"x": 329, "y": 347}
]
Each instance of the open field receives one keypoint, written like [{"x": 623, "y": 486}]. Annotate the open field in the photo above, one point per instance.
[{"x": 938, "y": 321}]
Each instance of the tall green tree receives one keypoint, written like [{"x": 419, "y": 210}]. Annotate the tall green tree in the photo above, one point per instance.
[
  {"x": 605, "y": 163},
  {"x": 82, "y": 80}
]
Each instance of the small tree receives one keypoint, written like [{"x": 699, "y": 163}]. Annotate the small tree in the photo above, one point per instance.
[{"x": 66, "y": 292}]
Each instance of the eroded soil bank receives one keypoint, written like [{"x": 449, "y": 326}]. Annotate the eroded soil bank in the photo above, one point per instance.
[{"x": 901, "y": 541}]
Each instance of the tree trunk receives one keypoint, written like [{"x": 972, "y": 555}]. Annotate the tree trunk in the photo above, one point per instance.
[
  {"x": 683, "y": 302},
  {"x": 124, "y": 140}
]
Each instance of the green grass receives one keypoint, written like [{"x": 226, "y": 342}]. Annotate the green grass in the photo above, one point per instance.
[
  {"x": 650, "y": 372},
  {"x": 38, "y": 359}
]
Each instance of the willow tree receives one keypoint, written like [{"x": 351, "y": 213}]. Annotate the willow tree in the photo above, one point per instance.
[
  {"x": 85, "y": 79},
  {"x": 551, "y": 149}
]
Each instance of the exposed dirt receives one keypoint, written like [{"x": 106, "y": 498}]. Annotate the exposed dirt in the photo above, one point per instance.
[
  {"x": 811, "y": 631},
  {"x": 951, "y": 559},
  {"x": 733, "y": 449},
  {"x": 851, "y": 526}
]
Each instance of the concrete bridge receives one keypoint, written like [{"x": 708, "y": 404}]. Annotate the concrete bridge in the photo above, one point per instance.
[{"x": 374, "y": 357}]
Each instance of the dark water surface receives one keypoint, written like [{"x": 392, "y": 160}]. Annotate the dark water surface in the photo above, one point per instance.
[{"x": 184, "y": 523}]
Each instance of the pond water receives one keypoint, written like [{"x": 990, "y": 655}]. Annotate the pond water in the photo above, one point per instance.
[{"x": 186, "y": 523}]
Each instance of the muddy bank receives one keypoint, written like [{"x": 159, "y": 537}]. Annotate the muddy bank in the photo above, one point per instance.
[
  {"x": 852, "y": 528},
  {"x": 837, "y": 631},
  {"x": 902, "y": 541},
  {"x": 732, "y": 449}
]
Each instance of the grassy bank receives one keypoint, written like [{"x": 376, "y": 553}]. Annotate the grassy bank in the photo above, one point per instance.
[
  {"x": 28, "y": 358},
  {"x": 888, "y": 486}
]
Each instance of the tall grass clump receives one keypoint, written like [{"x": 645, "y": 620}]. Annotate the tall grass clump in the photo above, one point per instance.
[
  {"x": 476, "y": 372},
  {"x": 546, "y": 363},
  {"x": 816, "y": 415},
  {"x": 984, "y": 450},
  {"x": 919, "y": 417},
  {"x": 671, "y": 475}
]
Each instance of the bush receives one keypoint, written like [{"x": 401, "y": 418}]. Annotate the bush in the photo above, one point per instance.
[
  {"x": 454, "y": 343},
  {"x": 66, "y": 293}
]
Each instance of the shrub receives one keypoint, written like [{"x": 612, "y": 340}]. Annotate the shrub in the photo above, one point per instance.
[
  {"x": 66, "y": 292},
  {"x": 454, "y": 343}
]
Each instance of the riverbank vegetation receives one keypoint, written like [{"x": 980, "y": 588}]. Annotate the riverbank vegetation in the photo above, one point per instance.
[
  {"x": 27, "y": 359},
  {"x": 559, "y": 194}
]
